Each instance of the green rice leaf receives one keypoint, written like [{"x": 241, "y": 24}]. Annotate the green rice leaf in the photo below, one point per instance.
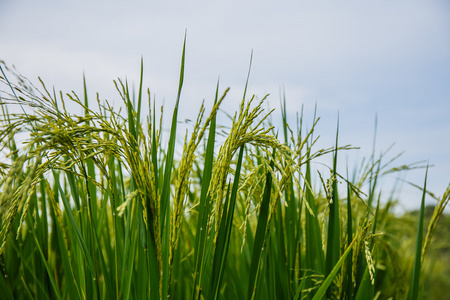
[
  {"x": 165, "y": 193},
  {"x": 413, "y": 293},
  {"x": 204, "y": 204},
  {"x": 333, "y": 238},
  {"x": 6, "y": 292},
  {"x": 327, "y": 282},
  {"x": 223, "y": 238},
  {"x": 74, "y": 225},
  {"x": 260, "y": 236},
  {"x": 349, "y": 240}
]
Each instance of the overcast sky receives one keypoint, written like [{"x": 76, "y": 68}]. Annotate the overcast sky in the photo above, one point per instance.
[{"x": 385, "y": 58}]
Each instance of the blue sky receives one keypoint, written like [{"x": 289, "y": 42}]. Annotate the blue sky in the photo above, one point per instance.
[{"x": 386, "y": 58}]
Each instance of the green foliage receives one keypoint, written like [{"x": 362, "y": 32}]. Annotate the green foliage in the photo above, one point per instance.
[{"x": 95, "y": 206}]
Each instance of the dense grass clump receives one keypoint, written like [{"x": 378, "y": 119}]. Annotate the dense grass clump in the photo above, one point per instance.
[{"x": 95, "y": 206}]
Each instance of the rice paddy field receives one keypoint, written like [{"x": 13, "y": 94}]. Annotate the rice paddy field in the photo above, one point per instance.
[{"x": 106, "y": 204}]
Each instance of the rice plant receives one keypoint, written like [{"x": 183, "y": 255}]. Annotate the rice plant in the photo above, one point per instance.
[{"x": 96, "y": 206}]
